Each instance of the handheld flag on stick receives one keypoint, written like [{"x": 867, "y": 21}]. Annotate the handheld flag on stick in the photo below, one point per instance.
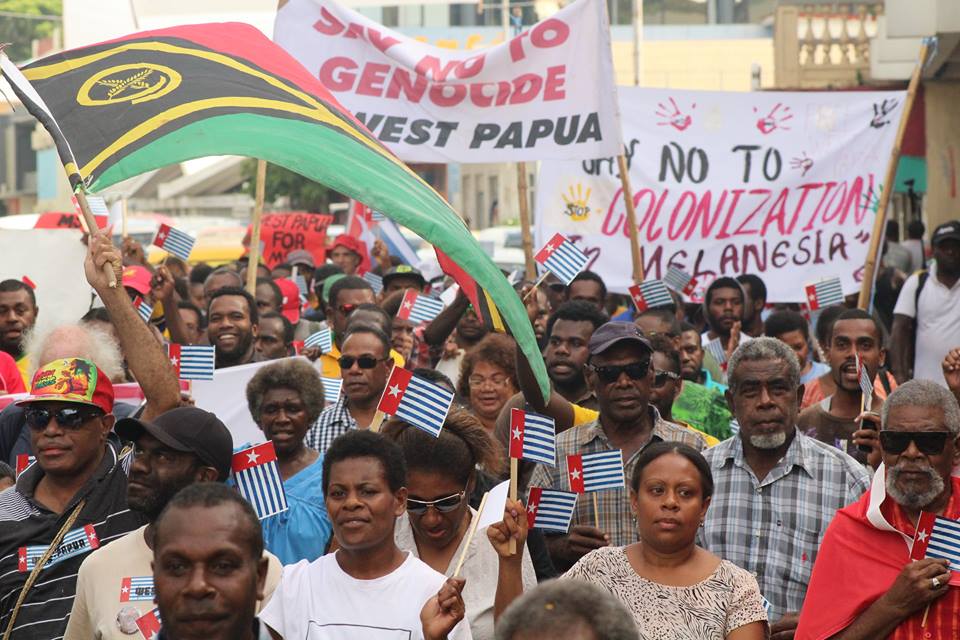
[
  {"x": 322, "y": 339},
  {"x": 680, "y": 281},
  {"x": 418, "y": 308},
  {"x": 331, "y": 389},
  {"x": 596, "y": 471},
  {"x": 174, "y": 241},
  {"x": 562, "y": 258},
  {"x": 866, "y": 385},
  {"x": 650, "y": 294},
  {"x": 533, "y": 437},
  {"x": 824, "y": 293},
  {"x": 550, "y": 509},
  {"x": 491, "y": 510},
  {"x": 715, "y": 348},
  {"x": 192, "y": 361},
  {"x": 257, "y": 477},
  {"x": 420, "y": 402},
  {"x": 937, "y": 537},
  {"x": 144, "y": 308}
]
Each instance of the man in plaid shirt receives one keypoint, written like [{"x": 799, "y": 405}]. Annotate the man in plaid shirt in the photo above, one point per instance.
[
  {"x": 619, "y": 370},
  {"x": 775, "y": 489}
]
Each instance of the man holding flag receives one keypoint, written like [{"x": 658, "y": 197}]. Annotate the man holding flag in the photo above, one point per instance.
[{"x": 864, "y": 584}]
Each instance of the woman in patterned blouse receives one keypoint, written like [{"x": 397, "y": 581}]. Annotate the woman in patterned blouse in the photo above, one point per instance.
[{"x": 675, "y": 589}]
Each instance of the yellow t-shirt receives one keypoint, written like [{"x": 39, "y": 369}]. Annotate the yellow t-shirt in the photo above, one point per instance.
[
  {"x": 582, "y": 415},
  {"x": 24, "y": 365},
  {"x": 330, "y": 368}
]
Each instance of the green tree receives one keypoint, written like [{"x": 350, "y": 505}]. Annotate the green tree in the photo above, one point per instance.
[
  {"x": 304, "y": 194},
  {"x": 20, "y": 29}
]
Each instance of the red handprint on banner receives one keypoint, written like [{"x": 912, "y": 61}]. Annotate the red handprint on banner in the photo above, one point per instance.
[
  {"x": 672, "y": 116},
  {"x": 773, "y": 120}
]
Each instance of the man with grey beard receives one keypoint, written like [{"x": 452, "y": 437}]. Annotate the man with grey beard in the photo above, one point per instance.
[
  {"x": 775, "y": 489},
  {"x": 881, "y": 541}
]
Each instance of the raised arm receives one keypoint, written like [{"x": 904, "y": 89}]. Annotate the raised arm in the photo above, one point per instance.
[
  {"x": 164, "y": 291},
  {"x": 901, "y": 347},
  {"x": 145, "y": 356}
]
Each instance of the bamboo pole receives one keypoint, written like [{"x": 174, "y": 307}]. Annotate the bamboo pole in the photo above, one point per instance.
[
  {"x": 513, "y": 496},
  {"x": 527, "y": 238},
  {"x": 631, "y": 220},
  {"x": 254, "y": 255},
  {"x": 870, "y": 265}
]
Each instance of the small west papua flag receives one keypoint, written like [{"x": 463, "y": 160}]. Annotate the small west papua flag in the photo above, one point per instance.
[
  {"x": 144, "y": 308},
  {"x": 824, "y": 293},
  {"x": 680, "y": 281},
  {"x": 374, "y": 281},
  {"x": 192, "y": 361},
  {"x": 75, "y": 542},
  {"x": 257, "y": 476},
  {"x": 866, "y": 386},
  {"x": 24, "y": 460},
  {"x": 596, "y": 471},
  {"x": 562, "y": 258},
  {"x": 137, "y": 588},
  {"x": 149, "y": 624},
  {"x": 937, "y": 537},
  {"x": 549, "y": 509},
  {"x": 419, "y": 308},
  {"x": 650, "y": 294},
  {"x": 331, "y": 389},
  {"x": 533, "y": 437},
  {"x": 715, "y": 347},
  {"x": 322, "y": 339},
  {"x": 172, "y": 240},
  {"x": 415, "y": 400}
]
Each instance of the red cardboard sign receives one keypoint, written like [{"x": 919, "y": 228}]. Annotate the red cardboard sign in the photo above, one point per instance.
[{"x": 286, "y": 231}]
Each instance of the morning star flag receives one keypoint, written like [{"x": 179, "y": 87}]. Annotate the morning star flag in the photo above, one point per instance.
[
  {"x": 418, "y": 308},
  {"x": 374, "y": 281},
  {"x": 144, "y": 308},
  {"x": 550, "y": 509},
  {"x": 596, "y": 471},
  {"x": 149, "y": 624},
  {"x": 257, "y": 477},
  {"x": 147, "y": 100},
  {"x": 192, "y": 361},
  {"x": 866, "y": 385},
  {"x": 137, "y": 588},
  {"x": 322, "y": 339},
  {"x": 562, "y": 258},
  {"x": 24, "y": 460},
  {"x": 533, "y": 437},
  {"x": 331, "y": 389},
  {"x": 172, "y": 240},
  {"x": 415, "y": 400},
  {"x": 824, "y": 293},
  {"x": 937, "y": 537},
  {"x": 650, "y": 294},
  {"x": 680, "y": 281}
]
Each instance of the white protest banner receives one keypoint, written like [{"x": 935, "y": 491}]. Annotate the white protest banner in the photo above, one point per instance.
[
  {"x": 547, "y": 93},
  {"x": 783, "y": 185}
]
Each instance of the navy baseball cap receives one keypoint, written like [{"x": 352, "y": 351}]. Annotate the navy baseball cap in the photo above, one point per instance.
[{"x": 615, "y": 332}]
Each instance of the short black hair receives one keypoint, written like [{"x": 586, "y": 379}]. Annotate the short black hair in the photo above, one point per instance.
[
  {"x": 915, "y": 230},
  {"x": 377, "y": 332},
  {"x": 664, "y": 345},
  {"x": 10, "y": 285},
  {"x": 236, "y": 291},
  {"x": 386, "y": 322},
  {"x": 593, "y": 277},
  {"x": 435, "y": 377},
  {"x": 344, "y": 284},
  {"x": 209, "y": 495},
  {"x": 199, "y": 273},
  {"x": 785, "y": 321},
  {"x": 362, "y": 443},
  {"x": 686, "y": 326},
  {"x": 6, "y": 471},
  {"x": 723, "y": 282},
  {"x": 288, "y": 329},
  {"x": 577, "y": 311},
  {"x": 186, "y": 304},
  {"x": 321, "y": 273},
  {"x": 277, "y": 293},
  {"x": 825, "y": 320},
  {"x": 664, "y": 314},
  {"x": 758, "y": 290},
  {"x": 893, "y": 230},
  {"x": 658, "y": 449},
  {"x": 860, "y": 314}
]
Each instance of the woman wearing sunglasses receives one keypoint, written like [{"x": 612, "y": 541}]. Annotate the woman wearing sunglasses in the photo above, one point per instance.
[
  {"x": 441, "y": 474},
  {"x": 284, "y": 399}
]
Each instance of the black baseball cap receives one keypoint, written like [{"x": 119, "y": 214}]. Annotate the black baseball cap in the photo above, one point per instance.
[
  {"x": 403, "y": 270},
  {"x": 946, "y": 231},
  {"x": 186, "y": 429},
  {"x": 615, "y": 332}
]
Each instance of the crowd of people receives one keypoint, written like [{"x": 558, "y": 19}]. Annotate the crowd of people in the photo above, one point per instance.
[{"x": 766, "y": 493}]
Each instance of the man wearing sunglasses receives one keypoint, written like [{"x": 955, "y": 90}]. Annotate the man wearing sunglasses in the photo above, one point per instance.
[
  {"x": 867, "y": 583},
  {"x": 619, "y": 370},
  {"x": 365, "y": 365}
]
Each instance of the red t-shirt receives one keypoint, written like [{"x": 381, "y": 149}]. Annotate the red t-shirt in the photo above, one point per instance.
[{"x": 10, "y": 379}]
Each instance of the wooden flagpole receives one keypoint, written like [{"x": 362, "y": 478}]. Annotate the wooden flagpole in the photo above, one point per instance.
[
  {"x": 513, "y": 496},
  {"x": 91, "y": 223},
  {"x": 527, "y": 237},
  {"x": 879, "y": 222},
  {"x": 254, "y": 256},
  {"x": 631, "y": 219},
  {"x": 473, "y": 530}
]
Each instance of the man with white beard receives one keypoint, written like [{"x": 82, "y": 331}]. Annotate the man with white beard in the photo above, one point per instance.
[
  {"x": 883, "y": 541},
  {"x": 775, "y": 489}
]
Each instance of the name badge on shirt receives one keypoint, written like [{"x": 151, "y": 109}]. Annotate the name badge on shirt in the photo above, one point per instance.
[
  {"x": 74, "y": 543},
  {"x": 138, "y": 588}
]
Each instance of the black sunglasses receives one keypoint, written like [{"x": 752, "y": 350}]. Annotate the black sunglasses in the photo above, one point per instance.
[
  {"x": 443, "y": 505},
  {"x": 928, "y": 442},
  {"x": 38, "y": 418},
  {"x": 364, "y": 362},
  {"x": 660, "y": 377},
  {"x": 611, "y": 373}
]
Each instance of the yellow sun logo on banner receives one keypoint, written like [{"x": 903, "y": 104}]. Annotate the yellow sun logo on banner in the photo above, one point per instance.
[
  {"x": 128, "y": 83},
  {"x": 577, "y": 205}
]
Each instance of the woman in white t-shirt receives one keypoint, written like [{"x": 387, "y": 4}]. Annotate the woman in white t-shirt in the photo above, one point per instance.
[
  {"x": 441, "y": 476},
  {"x": 368, "y": 588}
]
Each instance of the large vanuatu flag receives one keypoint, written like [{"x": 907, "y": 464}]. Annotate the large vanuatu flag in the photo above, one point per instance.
[{"x": 155, "y": 98}]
